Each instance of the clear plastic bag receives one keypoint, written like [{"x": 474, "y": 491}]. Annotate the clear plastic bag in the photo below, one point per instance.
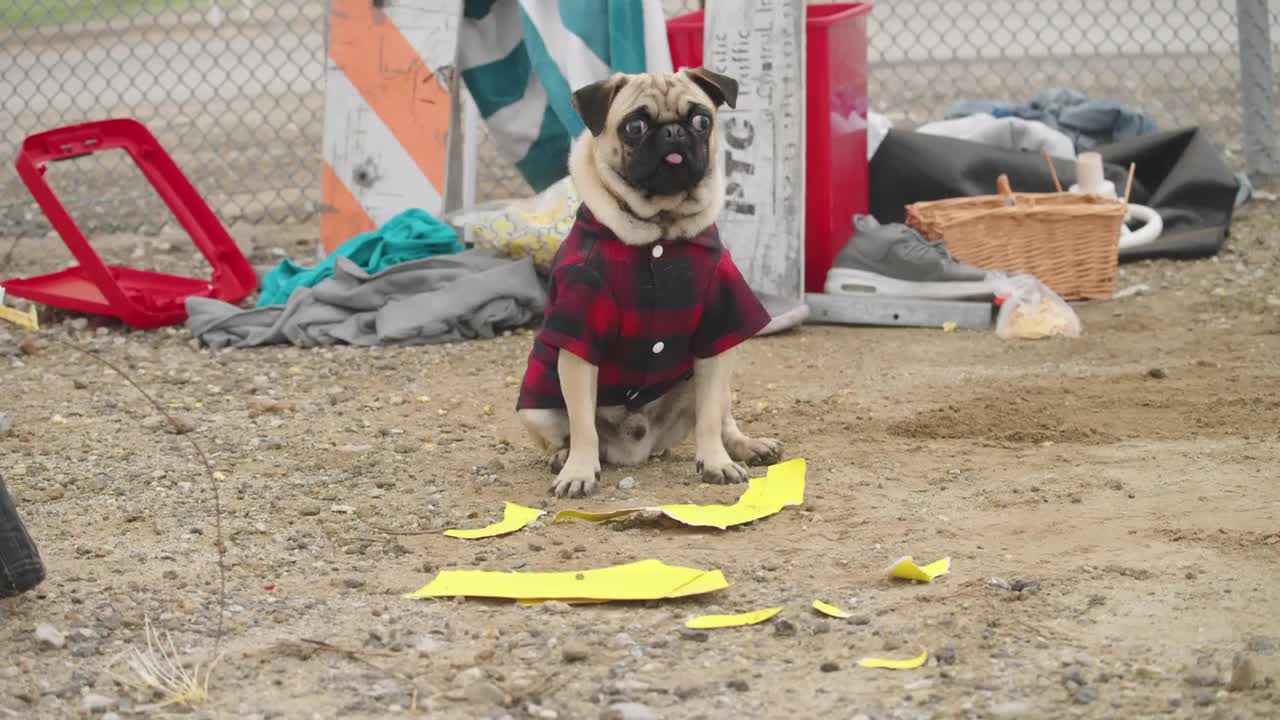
[
  {"x": 529, "y": 227},
  {"x": 1029, "y": 310}
]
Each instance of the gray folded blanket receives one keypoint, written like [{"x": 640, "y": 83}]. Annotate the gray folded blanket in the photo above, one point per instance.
[{"x": 445, "y": 298}]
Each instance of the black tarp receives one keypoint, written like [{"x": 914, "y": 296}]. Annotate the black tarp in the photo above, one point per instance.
[{"x": 1178, "y": 173}]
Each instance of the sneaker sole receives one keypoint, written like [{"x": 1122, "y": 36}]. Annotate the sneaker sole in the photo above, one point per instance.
[{"x": 847, "y": 281}]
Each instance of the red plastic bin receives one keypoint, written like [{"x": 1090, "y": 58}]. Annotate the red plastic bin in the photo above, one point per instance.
[
  {"x": 836, "y": 185},
  {"x": 140, "y": 298}
]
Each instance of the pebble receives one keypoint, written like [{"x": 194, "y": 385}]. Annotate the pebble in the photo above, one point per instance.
[
  {"x": 1243, "y": 675},
  {"x": 486, "y": 693},
  {"x": 268, "y": 406},
  {"x": 694, "y": 635},
  {"x": 95, "y": 703},
  {"x": 1012, "y": 710},
  {"x": 352, "y": 583},
  {"x": 1206, "y": 697},
  {"x": 555, "y": 607},
  {"x": 859, "y": 620},
  {"x": 1157, "y": 373},
  {"x": 627, "y": 483},
  {"x": 946, "y": 655},
  {"x": 574, "y": 651},
  {"x": 1084, "y": 695},
  {"x": 738, "y": 685},
  {"x": 55, "y": 493},
  {"x": 427, "y": 646},
  {"x": 629, "y": 711},
  {"x": 310, "y": 509},
  {"x": 50, "y": 635},
  {"x": 1203, "y": 677},
  {"x": 784, "y": 628},
  {"x": 829, "y": 666},
  {"x": 6, "y": 424}
]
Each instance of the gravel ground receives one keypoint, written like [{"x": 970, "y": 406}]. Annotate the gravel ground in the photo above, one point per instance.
[{"x": 1109, "y": 504}]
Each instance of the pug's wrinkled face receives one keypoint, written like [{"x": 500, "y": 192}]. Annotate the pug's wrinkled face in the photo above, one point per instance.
[{"x": 657, "y": 131}]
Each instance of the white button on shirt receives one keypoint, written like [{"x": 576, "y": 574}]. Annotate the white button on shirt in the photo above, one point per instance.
[
  {"x": 657, "y": 347},
  {"x": 657, "y": 251}
]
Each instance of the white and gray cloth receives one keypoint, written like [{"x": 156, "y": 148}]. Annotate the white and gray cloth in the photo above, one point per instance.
[{"x": 446, "y": 298}]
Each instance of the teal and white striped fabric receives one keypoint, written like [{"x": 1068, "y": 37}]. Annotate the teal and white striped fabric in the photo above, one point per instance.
[{"x": 522, "y": 59}]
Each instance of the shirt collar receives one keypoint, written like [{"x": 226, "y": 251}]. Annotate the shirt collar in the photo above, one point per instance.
[{"x": 708, "y": 238}]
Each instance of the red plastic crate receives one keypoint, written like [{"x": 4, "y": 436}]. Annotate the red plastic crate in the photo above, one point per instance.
[
  {"x": 836, "y": 185},
  {"x": 140, "y": 298}
]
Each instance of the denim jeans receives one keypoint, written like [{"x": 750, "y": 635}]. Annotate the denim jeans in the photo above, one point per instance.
[{"x": 20, "y": 566}]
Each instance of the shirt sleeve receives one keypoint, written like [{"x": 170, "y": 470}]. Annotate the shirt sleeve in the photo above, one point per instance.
[
  {"x": 731, "y": 313},
  {"x": 581, "y": 316}
]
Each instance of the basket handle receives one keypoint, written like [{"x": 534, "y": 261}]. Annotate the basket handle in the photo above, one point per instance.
[
  {"x": 1128, "y": 186},
  {"x": 1004, "y": 191}
]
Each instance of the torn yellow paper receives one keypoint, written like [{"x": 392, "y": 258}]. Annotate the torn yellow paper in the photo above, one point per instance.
[
  {"x": 907, "y": 569},
  {"x": 895, "y": 664},
  {"x": 643, "y": 580},
  {"x": 710, "y": 622},
  {"x": 28, "y": 319},
  {"x": 829, "y": 610},
  {"x": 514, "y": 517},
  {"x": 781, "y": 487}
]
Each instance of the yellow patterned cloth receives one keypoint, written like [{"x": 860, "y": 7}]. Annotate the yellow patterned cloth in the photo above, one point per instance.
[{"x": 528, "y": 228}]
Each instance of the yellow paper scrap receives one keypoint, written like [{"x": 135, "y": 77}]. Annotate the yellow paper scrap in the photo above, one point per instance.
[
  {"x": 906, "y": 569},
  {"x": 895, "y": 664},
  {"x": 781, "y": 487},
  {"x": 28, "y": 319},
  {"x": 643, "y": 580},
  {"x": 829, "y": 610},
  {"x": 710, "y": 622},
  {"x": 514, "y": 517}
]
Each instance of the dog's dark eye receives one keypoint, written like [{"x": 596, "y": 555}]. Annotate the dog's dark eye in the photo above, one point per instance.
[
  {"x": 635, "y": 127},
  {"x": 701, "y": 122}
]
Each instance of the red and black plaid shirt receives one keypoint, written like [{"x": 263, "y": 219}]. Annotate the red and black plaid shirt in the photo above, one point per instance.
[{"x": 639, "y": 314}]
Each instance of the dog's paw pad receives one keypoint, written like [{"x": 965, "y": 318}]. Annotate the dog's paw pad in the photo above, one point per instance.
[
  {"x": 726, "y": 473},
  {"x": 575, "y": 483},
  {"x": 757, "y": 451}
]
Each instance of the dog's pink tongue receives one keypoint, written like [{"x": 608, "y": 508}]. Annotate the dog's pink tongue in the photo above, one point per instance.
[{"x": 675, "y": 158}]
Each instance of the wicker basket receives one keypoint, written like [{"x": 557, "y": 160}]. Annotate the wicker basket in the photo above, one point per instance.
[{"x": 1070, "y": 241}]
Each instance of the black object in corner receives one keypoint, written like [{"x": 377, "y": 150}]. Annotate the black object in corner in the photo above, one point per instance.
[
  {"x": 20, "y": 566},
  {"x": 1179, "y": 174}
]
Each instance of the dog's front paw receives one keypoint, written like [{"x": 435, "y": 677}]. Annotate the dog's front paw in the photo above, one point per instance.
[
  {"x": 576, "y": 479},
  {"x": 721, "y": 471},
  {"x": 755, "y": 451}
]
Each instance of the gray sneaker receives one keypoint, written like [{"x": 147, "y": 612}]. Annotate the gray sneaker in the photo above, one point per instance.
[{"x": 894, "y": 260}]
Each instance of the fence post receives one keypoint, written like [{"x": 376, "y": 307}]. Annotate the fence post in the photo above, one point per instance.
[{"x": 1257, "y": 88}]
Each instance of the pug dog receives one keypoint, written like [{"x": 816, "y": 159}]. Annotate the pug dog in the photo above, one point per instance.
[{"x": 645, "y": 306}]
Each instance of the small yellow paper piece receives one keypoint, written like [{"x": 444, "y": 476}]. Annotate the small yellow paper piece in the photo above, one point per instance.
[
  {"x": 28, "y": 319},
  {"x": 643, "y": 580},
  {"x": 907, "y": 569},
  {"x": 783, "y": 486},
  {"x": 895, "y": 664},
  {"x": 711, "y": 622},
  {"x": 514, "y": 517},
  {"x": 829, "y": 610}
]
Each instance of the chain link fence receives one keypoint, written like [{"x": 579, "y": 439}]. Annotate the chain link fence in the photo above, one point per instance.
[{"x": 234, "y": 89}]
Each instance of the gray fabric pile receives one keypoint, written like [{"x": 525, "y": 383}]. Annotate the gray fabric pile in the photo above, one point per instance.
[{"x": 446, "y": 298}]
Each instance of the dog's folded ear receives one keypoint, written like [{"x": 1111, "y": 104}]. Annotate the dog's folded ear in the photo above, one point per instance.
[
  {"x": 722, "y": 90},
  {"x": 592, "y": 102}
]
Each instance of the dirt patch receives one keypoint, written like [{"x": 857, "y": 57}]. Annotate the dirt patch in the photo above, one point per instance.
[{"x": 1112, "y": 530}]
